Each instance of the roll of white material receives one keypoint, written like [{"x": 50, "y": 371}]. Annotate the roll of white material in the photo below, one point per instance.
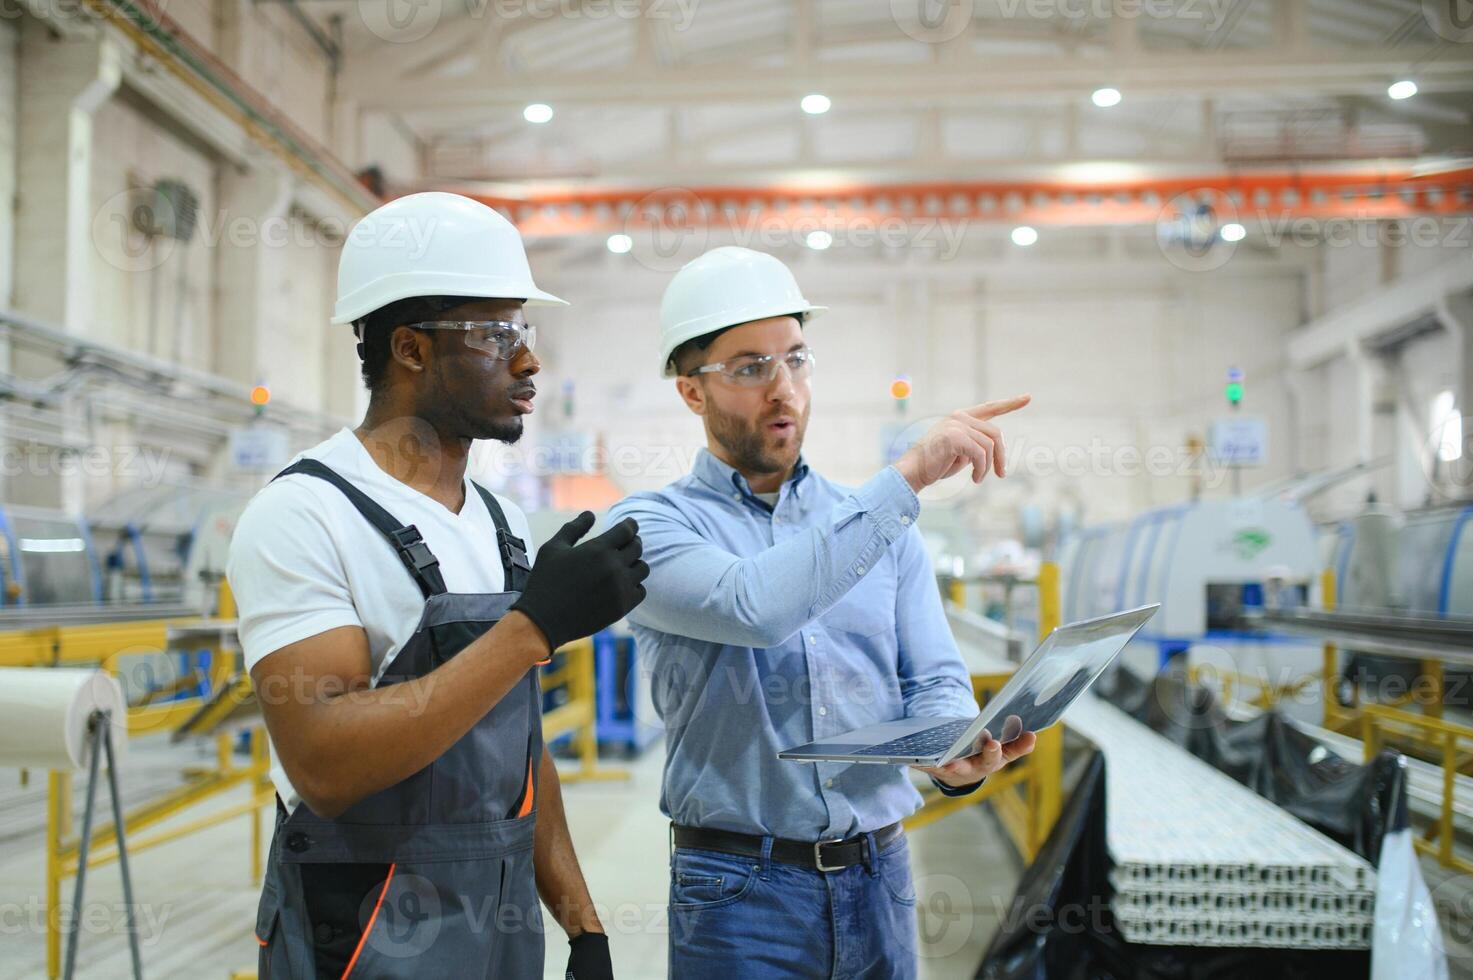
[{"x": 44, "y": 712}]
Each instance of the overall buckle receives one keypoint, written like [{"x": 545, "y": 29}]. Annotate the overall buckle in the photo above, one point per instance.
[
  {"x": 818, "y": 855},
  {"x": 412, "y": 549},
  {"x": 513, "y": 552}
]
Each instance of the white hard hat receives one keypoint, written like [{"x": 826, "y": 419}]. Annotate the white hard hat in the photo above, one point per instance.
[
  {"x": 724, "y": 287},
  {"x": 432, "y": 244}
]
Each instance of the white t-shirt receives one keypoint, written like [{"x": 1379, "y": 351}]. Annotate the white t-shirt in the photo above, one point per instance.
[{"x": 304, "y": 561}]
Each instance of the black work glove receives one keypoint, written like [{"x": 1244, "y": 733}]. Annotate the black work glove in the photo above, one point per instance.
[
  {"x": 589, "y": 959},
  {"x": 575, "y": 590}
]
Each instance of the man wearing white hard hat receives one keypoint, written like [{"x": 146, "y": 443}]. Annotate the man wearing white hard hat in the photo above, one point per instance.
[
  {"x": 782, "y": 609},
  {"x": 393, "y": 622}
]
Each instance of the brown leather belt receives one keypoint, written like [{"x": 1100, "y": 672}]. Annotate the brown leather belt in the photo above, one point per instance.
[{"x": 824, "y": 855}]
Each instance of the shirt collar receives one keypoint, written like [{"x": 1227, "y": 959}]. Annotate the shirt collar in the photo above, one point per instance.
[{"x": 719, "y": 476}]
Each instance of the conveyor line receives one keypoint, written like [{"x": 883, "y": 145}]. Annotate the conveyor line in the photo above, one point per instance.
[
  {"x": 1387, "y": 634},
  {"x": 1201, "y": 860},
  {"x": 91, "y": 613}
]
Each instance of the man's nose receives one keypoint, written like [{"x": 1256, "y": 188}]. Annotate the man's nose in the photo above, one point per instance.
[
  {"x": 525, "y": 364},
  {"x": 781, "y": 387}
]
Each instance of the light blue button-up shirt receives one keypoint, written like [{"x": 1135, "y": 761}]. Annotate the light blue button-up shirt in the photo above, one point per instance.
[{"x": 768, "y": 628}]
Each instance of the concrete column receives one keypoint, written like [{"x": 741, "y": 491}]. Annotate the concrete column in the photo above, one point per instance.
[
  {"x": 1456, "y": 314},
  {"x": 63, "y": 82},
  {"x": 9, "y": 152},
  {"x": 248, "y": 200},
  {"x": 1378, "y": 428}
]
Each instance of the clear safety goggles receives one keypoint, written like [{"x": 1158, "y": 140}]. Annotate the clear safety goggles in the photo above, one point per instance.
[
  {"x": 502, "y": 339},
  {"x": 759, "y": 370}
]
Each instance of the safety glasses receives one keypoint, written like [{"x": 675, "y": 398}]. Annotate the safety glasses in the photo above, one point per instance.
[
  {"x": 759, "y": 370},
  {"x": 502, "y": 339}
]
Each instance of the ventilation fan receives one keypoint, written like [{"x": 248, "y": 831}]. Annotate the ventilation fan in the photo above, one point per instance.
[{"x": 167, "y": 209}]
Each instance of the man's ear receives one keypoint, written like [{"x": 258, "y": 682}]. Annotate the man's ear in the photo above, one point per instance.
[
  {"x": 693, "y": 393},
  {"x": 410, "y": 347}
]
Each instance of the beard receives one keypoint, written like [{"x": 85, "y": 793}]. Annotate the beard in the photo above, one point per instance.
[
  {"x": 507, "y": 430},
  {"x": 746, "y": 441},
  {"x": 472, "y": 417}
]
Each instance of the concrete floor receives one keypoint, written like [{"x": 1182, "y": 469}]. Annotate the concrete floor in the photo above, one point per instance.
[{"x": 197, "y": 902}]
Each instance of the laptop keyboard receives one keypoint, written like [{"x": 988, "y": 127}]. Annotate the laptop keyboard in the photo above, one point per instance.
[{"x": 932, "y": 741}]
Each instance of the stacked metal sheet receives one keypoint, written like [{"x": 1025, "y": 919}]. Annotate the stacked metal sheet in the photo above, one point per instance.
[{"x": 1201, "y": 860}]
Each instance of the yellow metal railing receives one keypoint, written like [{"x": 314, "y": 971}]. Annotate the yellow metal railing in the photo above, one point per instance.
[
  {"x": 1259, "y": 692},
  {"x": 1377, "y": 721},
  {"x": 579, "y": 714},
  {"x": 1426, "y": 693},
  {"x": 106, "y": 645},
  {"x": 1046, "y": 789},
  {"x": 1421, "y": 733}
]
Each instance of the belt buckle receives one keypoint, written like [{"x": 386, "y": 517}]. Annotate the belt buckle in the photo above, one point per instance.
[{"x": 818, "y": 855}]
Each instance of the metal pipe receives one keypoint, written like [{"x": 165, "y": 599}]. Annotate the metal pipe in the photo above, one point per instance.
[
  {"x": 95, "y": 735},
  {"x": 147, "y": 25},
  {"x": 327, "y": 45},
  {"x": 137, "y": 369},
  {"x": 118, "y": 824}
]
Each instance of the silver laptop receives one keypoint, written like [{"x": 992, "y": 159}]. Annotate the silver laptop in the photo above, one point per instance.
[{"x": 1065, "y": 663}]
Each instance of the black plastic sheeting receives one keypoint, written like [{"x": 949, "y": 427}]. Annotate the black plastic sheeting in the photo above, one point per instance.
[{"x": 1059, "y": 926}]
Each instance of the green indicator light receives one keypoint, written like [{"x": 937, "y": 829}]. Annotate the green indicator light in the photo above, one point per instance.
[{"x": 1234, "y": 392}]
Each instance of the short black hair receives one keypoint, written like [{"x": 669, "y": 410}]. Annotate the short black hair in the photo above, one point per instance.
[{"x": 374, "y": 330}]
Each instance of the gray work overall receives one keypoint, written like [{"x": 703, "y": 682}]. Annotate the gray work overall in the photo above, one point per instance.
[{"x": 431, "y": 877}]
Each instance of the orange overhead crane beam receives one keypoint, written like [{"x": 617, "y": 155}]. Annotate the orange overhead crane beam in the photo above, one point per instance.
[{"x": 1264, "y": 199}]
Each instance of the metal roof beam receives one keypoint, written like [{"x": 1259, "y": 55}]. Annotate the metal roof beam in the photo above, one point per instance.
[{"x": 1144, "y": 75}]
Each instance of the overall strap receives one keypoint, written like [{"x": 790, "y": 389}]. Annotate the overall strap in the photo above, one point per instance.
[
  {"x": 405, "y": 539},
  {"x": 514, "y": 563}
]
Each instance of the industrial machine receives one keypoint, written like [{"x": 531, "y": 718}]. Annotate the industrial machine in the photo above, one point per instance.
[
  {"x": 151, "y": 547},
  {"x": 1434, "y": 568},
  {"x": 1206, "y": 562},
  {"x": 46, "y": 557}
]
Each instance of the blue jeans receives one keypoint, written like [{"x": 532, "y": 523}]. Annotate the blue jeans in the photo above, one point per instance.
[{"x": 734, "y": 916}]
